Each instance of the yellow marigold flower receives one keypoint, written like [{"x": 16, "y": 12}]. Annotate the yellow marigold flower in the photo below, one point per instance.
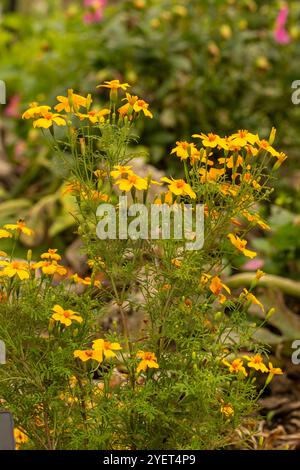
[
  {"x": 176, "y": 262},
  {"x": 236, "y": 366},
  {"x": 5, "y": 233},
  {"x": 229, "y": 189},
  {"x": 51, "y": 254},
  {"x": 108, "y": 349},
  {"x": 243, "y": 137},
  {"x": 95, "y": 116},
  {"x": 184, "y": 150},
  {"x": 65, "y": 316},
  {"x": 121, "y": 171},
  {"x": 232, "y": 161},
  {"x": 251, "y": 298},
  {"x": 127, "y": 108},
  {"x": 241, "y": 245},
  {"x": 71, "y": 102},
  {"x": 227, "y": 409},
  {"x": 216, "y": 286},
  {"x": 86, "y": 281},
  {"x": 2, "y": 253},
  {"x": 259, "y": 274},
  {"x": 20, "y": 226},
  {"x": 15, "y": 268},
  {"x": 114, "y": 85},
  {"x": 99, "y": 349},
  {"x": 256, "y": 362},
  {"x": 141, "y": 105},
  {"x": 204, "y": 279},
  {"x": 164, "y": 198},
  {"x": 50, "y": 267},
  {"x": 89, "y": 354},
  {"x": 35, "y": 110},
  {"x": 20, "y": 437},
  {"x": 71, "y": 187},
  {"x": 265, "y": 145},
  {"x": 212, "y": 175},
  {"x": 100, "y": 173},
  {"x": 274, "y": 370},
  {"x": 257, "y": 219},
  {"x": 132, "y": 181},
  {"x": 148, "y": 360},
  {"x": 48, "y": 119},
  {"x": 209, "y": 140},
  {"x": 98, "y": 196},
  {"x": 179, "y": 187}
]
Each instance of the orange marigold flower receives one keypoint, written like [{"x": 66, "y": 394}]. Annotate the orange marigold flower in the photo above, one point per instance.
[
  {"x": 148, "y": 360},
  {"x": 15, "y": 268},
  {"x": 274, "y": 370},
  {"x": 51, "y": 254},
  {"x": 50, "y": 267},
  {"x": 241, "y": 245},
  {"x": 256, "y": 362},
  {"x": 179, "y": 187},
  {"x": 227, "y": 409},
  {"x": 114, "y": 85},
  {"x": 71, "y": 102},
  {"x": 65, "y": 316},
  {"x": 236, "y": 366},
  {"x": 20, "y": 227}
]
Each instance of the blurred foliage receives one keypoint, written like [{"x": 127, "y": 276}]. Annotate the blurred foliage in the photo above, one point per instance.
[{"x": 202, "y": 65}]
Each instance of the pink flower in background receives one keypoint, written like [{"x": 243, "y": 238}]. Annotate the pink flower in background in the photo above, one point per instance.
[
  {"x": 281, "y": 35},
  {"x": 13, "y": 107},
  {"x": 253, "y": 264},
  {"x": 95, "y": 9}
]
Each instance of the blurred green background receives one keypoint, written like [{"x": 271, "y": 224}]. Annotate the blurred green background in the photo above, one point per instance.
[{"x": 202, "y": 65}]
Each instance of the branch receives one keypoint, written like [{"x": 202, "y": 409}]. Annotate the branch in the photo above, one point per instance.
[{"x": 287, "y": 286}]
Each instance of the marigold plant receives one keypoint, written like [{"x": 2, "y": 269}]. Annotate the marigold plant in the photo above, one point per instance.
[{"x": 184, "y": 374}]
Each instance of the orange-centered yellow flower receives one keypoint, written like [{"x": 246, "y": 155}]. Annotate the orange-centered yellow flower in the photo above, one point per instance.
[
  {"x": 235, "y": 366},
  {"x": 256, "y": 362},
  {"x": 5, "y": 233},
  {"x": 185, "y": 150},
  {"x": 227, "y": 409},
  {"x": 121, "y": 171},
  {"x": 148, "y": 360},
  {"x": 20, "y": 437},
  {"x": 274, "y": 370},
  {"x": 15, "y": 268},
  {"x": 132, "y": 181},
  {"x": 94, "y": 116},
  {"x": 106, "y": 347},
  {"x": 35, "y": 110},
  {"x": 243, "y": 137},
  {"x": 114, "y": 85},
  {"x": 210, "y": 140},
  {"x": 50, "y": 267},
  {"x": 100, "y": 349},
  {"x": 241, "y": 245},
  {"x": 65, "y": 316},
  {"x": 179, "y": 187},
  {"x": 20, "y": 226},
  {"x": 48, "y": 119},
  {"x": 51, "y": 254},
  {"x": 216, "y": 286},
  {"x": 251, "y": 298},
  {"x": 72, "y": 102},
  {"x": 141, "y": 105}
]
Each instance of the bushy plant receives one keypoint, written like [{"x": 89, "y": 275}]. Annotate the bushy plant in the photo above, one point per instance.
[{"x": 185, "y": 377}]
